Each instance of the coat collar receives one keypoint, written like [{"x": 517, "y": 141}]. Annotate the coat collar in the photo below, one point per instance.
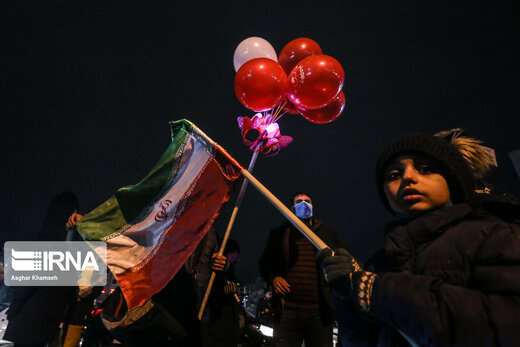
[
  {"x": 430, "y": 225},
  {"x": 403, "y": 238}
]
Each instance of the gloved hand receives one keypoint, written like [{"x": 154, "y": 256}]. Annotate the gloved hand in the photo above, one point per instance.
[
  {"x": 338, "y": 269},
  {"x": 230, "y": 288},
  {"x": 347, "y": 279}
]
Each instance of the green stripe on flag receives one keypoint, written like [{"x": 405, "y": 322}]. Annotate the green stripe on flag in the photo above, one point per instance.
[
  {"x": 132, "y": 203},
  {"x": 102, "y": 221},
  {"x": 136, "y": 200}
]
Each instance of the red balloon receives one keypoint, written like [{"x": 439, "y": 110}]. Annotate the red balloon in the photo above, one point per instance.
[
  {"x": 290, "y": 108},
  {"x": 315, "y": 81},
  {"x": 260, "y": 84},
  {"x": 326, "y": 114},
  {"x": 295, "y": 51}
]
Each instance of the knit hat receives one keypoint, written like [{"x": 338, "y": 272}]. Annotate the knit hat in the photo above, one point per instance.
[{"x": 454, "y": 167}]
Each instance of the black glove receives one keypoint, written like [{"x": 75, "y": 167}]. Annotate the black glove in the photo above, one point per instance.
[
  {"x": 230, "y": 288},
  {"x": 338, "y": 269},
  {"x": 347, "y": 279}
]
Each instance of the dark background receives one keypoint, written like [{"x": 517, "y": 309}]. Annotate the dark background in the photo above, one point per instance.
[{"x": 87, "y": 90}]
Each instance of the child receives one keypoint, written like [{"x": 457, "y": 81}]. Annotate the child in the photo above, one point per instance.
[{"x": 449, "y": 274}]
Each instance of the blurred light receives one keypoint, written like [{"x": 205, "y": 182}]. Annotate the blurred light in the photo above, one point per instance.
[
  {"x": 272, "y": 128},
  {"x": 266, "y": 330}
]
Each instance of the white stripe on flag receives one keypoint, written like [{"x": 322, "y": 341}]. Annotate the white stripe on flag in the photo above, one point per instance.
[{"x": 137, "y": 242}]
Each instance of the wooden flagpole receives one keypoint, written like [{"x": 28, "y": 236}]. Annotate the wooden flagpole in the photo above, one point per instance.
[
  {"x": 226, "y": 235},
  {"x": 308, "y": 233}
]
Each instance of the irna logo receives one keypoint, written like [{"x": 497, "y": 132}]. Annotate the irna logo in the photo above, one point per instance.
[
  {"x": 55, "y": 263},
  {"x": 53, "y": 260}
]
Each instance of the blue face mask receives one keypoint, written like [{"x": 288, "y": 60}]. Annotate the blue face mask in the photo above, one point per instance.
[{"x": 303, "y": 210}]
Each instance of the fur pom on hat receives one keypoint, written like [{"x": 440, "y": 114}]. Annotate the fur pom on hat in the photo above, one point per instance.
[
  {"x": 480, "y": 158},
  {"x": 455, "y": 169}
]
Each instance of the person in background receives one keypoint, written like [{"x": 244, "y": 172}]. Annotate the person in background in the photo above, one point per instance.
[
  {"x": 301, "y": 300},
  {"x": 83, "y": 301},
  {"x": 170, "y": 316},
  {"x": 449, "y": 271},
  {"x": 6, "y": 293},
  {"x": 226, "y": 315},
  {"x": 36, "y": 313}
]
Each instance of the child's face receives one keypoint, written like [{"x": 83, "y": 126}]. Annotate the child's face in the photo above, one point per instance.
[{"x": 414, "y": 185}]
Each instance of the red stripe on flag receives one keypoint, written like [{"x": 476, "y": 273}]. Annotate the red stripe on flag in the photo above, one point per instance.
[{"x": 202, "y": 206}]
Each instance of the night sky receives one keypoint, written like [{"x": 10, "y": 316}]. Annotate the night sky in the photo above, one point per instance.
[{"x": 88, "y": 88}]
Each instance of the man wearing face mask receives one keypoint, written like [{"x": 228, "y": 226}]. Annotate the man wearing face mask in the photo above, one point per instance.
[{"x": 301, "y": 299}]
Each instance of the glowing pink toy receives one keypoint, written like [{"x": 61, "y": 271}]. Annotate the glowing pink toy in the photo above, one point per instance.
[{"x": 269, "y": 140}]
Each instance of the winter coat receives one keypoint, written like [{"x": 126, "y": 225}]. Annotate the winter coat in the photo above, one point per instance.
[
  {"x": 280, "y": 255},
  {"x": 450, "y": 277}
]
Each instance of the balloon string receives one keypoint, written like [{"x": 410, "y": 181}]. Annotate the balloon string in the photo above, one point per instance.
[
  {"x": 278, "y": 110},
  {"x": 280, "y": 116}
]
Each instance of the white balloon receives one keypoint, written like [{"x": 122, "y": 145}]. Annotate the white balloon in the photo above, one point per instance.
[{"x": 251, "y": 48}]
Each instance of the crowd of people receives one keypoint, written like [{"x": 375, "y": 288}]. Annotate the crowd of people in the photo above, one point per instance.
[{"x": 448, "y": 273}]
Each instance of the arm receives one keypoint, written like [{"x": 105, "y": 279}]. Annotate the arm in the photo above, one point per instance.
[
  {"x": 430, "y": 311},
  {"x": 486, "y": 311},
  {"x": 271, "y": 264},
  {"x": 342, "y": 274},
  {"x": 267, "y": 261},
  {"x": 73, "y": 218},
  {"x": 438, "y": 313}
]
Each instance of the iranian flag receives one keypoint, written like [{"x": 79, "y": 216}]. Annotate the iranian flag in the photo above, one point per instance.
[{"x": 152, "y": 227}]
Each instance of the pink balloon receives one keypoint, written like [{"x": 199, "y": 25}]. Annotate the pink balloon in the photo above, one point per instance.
[{"x": 250, "y": 48}]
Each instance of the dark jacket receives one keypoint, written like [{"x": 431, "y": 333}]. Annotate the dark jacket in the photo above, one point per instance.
[
  {"x": 173, "y": 318},
  {"x": 450, "y": 277},
  {"x": 182, "y": 296},
  {"x": 35, "y": 313},
  {"x": 280, "y": 255}
]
